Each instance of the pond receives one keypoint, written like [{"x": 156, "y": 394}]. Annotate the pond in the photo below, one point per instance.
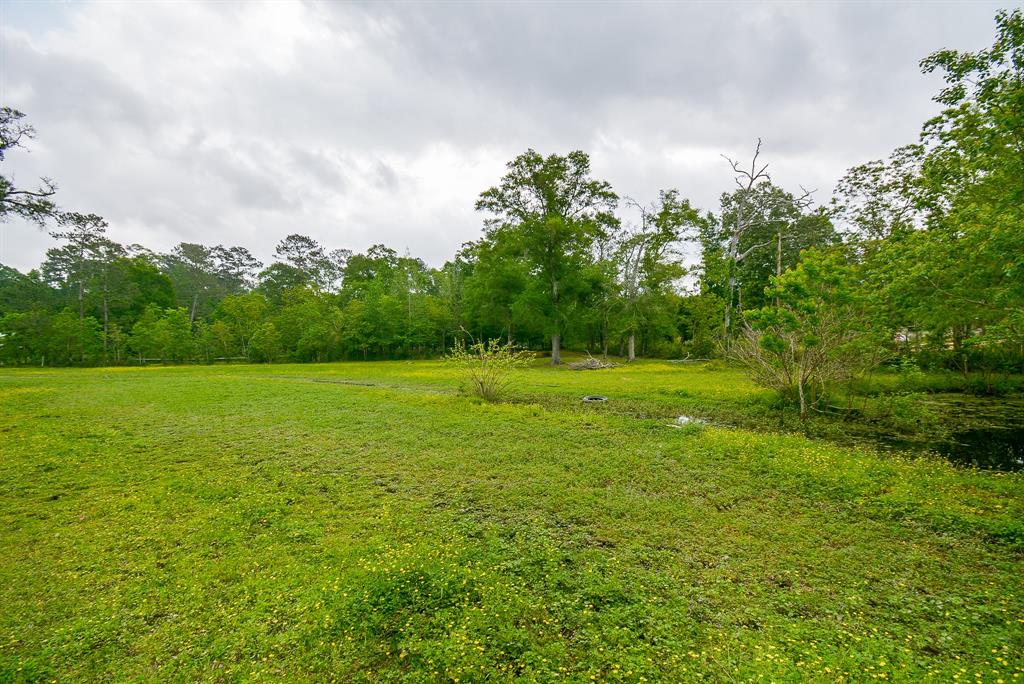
[
  {"x": 997, "y": 448},
  {"x": 977, "y": 432}
]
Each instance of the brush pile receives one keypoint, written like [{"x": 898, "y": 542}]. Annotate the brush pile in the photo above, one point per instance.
[{"x": 591, "y": 364}]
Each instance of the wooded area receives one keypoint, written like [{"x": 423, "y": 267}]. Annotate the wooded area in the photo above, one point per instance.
[{"x": 920, "y": 256}]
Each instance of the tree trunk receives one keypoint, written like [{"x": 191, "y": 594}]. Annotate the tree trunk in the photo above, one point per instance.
[
  {"x": 556, "y": 339},
  {"x": 604, "y": 338},
  {"x": 803, "y": 399},
  {"x": 632, "y": 346},
  {"x": 778, "y": 263},
  {"x": 727, "y": 323},
  {"x": 734, "y": 244},
  {"x": 106, "y": 327},
  {"x": 192, "y": 313}
]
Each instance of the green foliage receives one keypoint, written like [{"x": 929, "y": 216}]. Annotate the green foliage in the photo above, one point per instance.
[
  {"x": 142, "y": 284},
  {"x": 552, "y": 212},
  {"x": 306, "y": 258},
  {"x": 488, "y": 367},
  {"x": 163, "y": 335},
  {"x": 648, "y": 267},
  {"x": 309, "y": 324},
  {"x": 23, "y": 338},
  {"x": 243, "y": 315},
  {"x": 21, "y": 292},
  {"x": 265, "y": 344},
  {"x": 203, "y": 275},
  {"x": 779, "y": 226},
  {"x": 63, "y": 338},
  {"x": 817, "y": 333},
  {"x": 941, "y": 222},
  {"x": 72, "y": 339},
  {"x": 700, "y": 320},
  {"x": 278, "y": 279},
  {"x": 496, "y": 291}
]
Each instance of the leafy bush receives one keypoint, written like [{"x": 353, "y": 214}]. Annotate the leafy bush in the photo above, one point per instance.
[
  {"x": 488, "y": 366},
  {"x": 818, "y": 333}
]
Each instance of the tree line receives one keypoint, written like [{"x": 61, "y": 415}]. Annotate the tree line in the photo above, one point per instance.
[{"x": 919, "y": 255}]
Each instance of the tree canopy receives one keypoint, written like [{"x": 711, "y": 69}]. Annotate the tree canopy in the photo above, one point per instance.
[{"x": 921, "y": 254}]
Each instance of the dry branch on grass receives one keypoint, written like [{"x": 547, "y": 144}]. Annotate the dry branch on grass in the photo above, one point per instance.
[{"x": 591, "y": 364}]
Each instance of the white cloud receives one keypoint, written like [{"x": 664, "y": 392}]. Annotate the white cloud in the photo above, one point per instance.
[{"x": 239, "y": 123}]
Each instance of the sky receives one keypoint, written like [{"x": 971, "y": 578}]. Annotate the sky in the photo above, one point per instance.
[{"x": 238, "y": 123}]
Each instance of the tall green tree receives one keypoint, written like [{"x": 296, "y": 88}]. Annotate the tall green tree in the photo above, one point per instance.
[
  {"x": 75, "y": 266},
  {"x": 320, "y": 267},
  {"x": 494, "y": 293},
  {"x": 203, "y": 275},
  {"x": 24, "y": 292},
  {"x": 553, "y": 211},
  {"x": 278, "y": 279},
  {"x": 243, "y": 315},
  {"x": 649, "y": 261},
  {"x": 163, "y": 334},
  {"x": 941, "y": 221},
  {"x": 235, "y": 268},
  {"x": 192, "y": 270}
]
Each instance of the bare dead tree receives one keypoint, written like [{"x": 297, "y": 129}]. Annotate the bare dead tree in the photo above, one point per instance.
[{"x": 746, "y": 180}]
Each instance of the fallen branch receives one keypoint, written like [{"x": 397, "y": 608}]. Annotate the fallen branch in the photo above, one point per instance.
[{"x": 591, "y": 364}]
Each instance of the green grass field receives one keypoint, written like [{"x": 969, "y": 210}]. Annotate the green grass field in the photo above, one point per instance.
[{"x": 366, "y": 522}]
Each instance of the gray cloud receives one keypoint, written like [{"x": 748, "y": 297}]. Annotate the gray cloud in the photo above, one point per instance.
[{"x": 240, "y": 123}]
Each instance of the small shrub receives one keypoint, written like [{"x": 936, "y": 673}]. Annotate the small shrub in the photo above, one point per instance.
[
  {"x": 908, "y": 370},
  {"x": 488, "y": 367}
]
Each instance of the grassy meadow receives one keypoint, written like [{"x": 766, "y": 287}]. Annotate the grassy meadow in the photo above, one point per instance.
[{"x": 368, "y": 522}]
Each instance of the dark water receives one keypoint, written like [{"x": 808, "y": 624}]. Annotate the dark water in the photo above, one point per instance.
[
  {"x": 976, "y": 432},
  {"x": 995, "y": 448}
]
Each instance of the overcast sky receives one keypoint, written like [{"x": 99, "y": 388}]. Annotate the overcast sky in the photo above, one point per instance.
[{"x": 239, "y": 123}]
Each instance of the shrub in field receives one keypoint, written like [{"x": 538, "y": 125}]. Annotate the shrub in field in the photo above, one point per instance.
[
  {"x": 817, "y": 332},
  {"x": 488, "y": 366}
]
